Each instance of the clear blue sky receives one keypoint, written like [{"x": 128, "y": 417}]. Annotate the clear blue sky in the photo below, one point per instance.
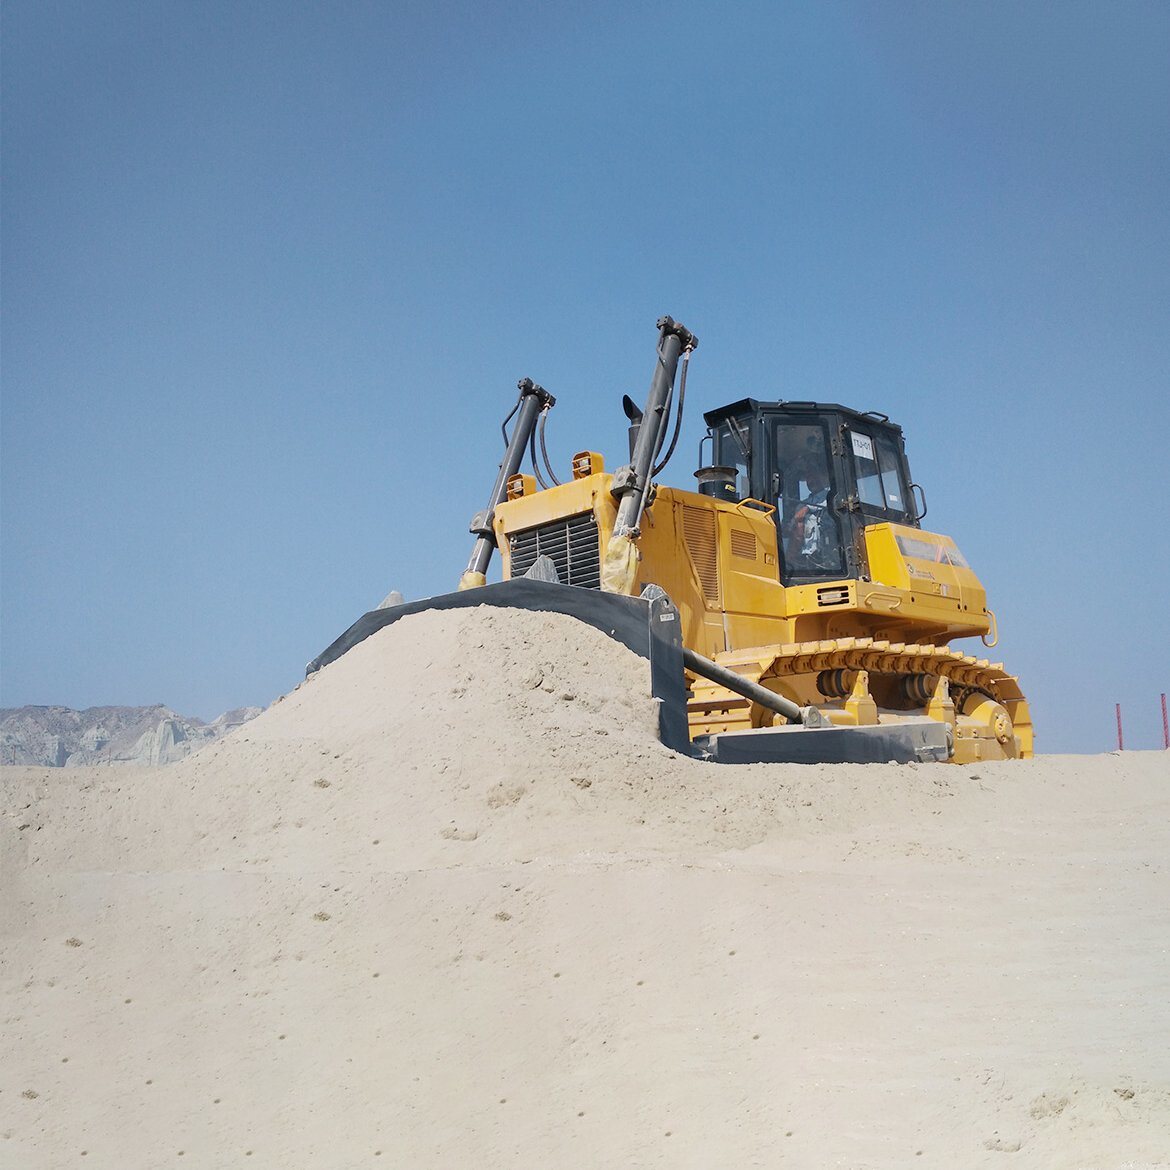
[{"x": 271, "y": 271}]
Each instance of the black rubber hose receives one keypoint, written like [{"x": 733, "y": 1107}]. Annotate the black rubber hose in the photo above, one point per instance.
[
  {"x": 511, "y": 415},
  {"x": 535, "y": 464},
  {"x": 544, "y": 450},
  {"x": 682, "y": 396}
]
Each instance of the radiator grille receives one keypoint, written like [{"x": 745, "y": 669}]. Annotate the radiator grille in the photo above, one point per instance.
[
  {"x": 743, "y": 544},
  {"x": 699, "y": 535},
  {"x": 572, "y": 545}
]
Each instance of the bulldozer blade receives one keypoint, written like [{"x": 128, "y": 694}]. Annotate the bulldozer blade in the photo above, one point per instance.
[
  {"x": 649, "y": 626},
  {"x": 908, "y": 741}
]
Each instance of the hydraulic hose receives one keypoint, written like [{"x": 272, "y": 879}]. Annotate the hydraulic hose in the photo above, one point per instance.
[
  {"x": 682, "y": 397},
  {"x": 544, "y": 450}
]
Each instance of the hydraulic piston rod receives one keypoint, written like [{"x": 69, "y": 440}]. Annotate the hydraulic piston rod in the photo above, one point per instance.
[
  {"x": 631, "y": 484},
  {"x": 809, "y": 716},
  {"x": 533, "y": 400}
]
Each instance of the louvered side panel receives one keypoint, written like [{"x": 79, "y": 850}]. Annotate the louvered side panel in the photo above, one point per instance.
[
  {"x": 699, "y": 536},
  {"x": 743, "y": 544}
]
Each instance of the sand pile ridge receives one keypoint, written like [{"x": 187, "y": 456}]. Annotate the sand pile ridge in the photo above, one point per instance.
[{"x": 450, "y": 902}]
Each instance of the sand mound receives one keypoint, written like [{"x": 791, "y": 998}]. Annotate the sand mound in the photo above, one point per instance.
[{"x": 450, "y": 903}]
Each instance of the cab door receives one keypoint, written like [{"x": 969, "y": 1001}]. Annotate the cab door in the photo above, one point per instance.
[{"x": 806, "y": 489}]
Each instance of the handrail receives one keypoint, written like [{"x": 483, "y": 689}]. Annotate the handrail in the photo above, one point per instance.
[
  {"x": 759, "y": 505},
  {"x": 994, "y": 631}
]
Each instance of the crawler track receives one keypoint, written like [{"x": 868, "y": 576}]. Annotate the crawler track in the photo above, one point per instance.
[{"x": 793, "y": 670}]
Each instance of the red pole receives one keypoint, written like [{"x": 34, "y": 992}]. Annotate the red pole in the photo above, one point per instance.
[
  {"x": 1120, "y": 741},
  {"x": 1165, "y": 725}
]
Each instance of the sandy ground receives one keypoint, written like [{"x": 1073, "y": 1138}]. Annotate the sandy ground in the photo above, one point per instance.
[{"x": 451, "y": 904}]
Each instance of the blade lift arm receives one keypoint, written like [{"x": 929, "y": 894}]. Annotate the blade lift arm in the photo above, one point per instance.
[
  {"x": 632, "y": 483},
  {"x": 533, "y": 404}
]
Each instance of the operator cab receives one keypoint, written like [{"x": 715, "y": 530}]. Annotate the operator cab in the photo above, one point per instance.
[{"x": 828, "y": 470}]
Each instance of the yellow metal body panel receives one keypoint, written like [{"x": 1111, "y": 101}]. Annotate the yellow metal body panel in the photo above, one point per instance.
[
  {"x": 934, "y": 580},
  {"x": 588, "y": 494},
  {"x": 716, "y": 560}
]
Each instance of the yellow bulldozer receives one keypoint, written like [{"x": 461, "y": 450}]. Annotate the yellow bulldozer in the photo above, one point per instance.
[{"x": 791, "y": 606}]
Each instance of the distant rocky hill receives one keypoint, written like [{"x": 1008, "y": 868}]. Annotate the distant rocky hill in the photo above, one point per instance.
[{"x": 59, "y": 737}]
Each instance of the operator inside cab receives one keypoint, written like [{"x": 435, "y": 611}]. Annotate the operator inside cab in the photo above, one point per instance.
[
  {"x": 810, "y": 538},
  {"x": 811, "y": 541}
]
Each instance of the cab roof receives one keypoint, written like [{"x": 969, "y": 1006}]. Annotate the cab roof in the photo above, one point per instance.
[{"x": 754, "y": 406}]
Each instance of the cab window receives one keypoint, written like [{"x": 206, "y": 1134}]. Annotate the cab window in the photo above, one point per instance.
[
  {"x": 877, "y": 468},
  {"x": 731, "y": 450}
]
